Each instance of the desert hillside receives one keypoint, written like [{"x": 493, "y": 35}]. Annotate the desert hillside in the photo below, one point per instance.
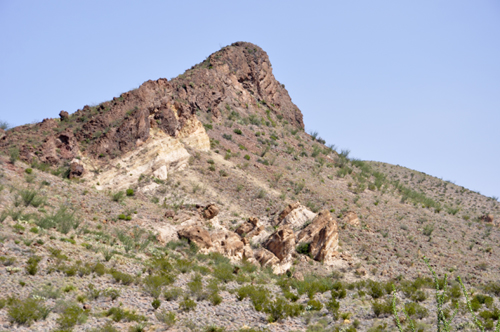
[{"x": 201, "y": 204}]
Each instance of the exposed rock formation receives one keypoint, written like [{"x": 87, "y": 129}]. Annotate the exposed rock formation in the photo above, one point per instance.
[
  {"x": 266, "y": 258},
  {"x": 75, "y": 170},
  {"x": 210, "y": 211},
  {"x": 297, "y": 217},
  {"x": 196, "y": 234},
  {"x": 228, "y": 243},
  {"x": 250, "y": 228},
  {"x": 322, "y": 236},
  {"x": 281, "y": 243},
  {"x": 488, "y": 218}
]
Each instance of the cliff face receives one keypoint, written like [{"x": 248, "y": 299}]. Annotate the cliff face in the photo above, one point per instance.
[{"x": 237, "y": 78}]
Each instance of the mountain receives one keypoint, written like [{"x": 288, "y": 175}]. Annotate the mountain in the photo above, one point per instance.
[{"x": 204, "y": 194}]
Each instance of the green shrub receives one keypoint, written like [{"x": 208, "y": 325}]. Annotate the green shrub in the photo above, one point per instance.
[
  {"x": 118, "y": 197},
  {"x": 153, "y": 284},
  {"x": 382, "y": 308},
  {"x": 13, "y": 155},
  {"x": 303, "y": 248},
  {"x": 31, "y": 197},
  {"x": 25, "y": 312},
  {"x": 156, "y": 303},
  {"x": 130, "y": 192},
  {"x": 71, "y": 316},
  {"x": 314, "y": 305},
  {"x": 118, "y": 314},
  {"x": 258, "y": 295},
  {"x": 32, "y": 265},
  {"x": 187, "y": 304},
  {"x": 166, "y": 317},
  {"x": 224, "y": 272},
  {"x": 415, "y": 309},
  {"x": 247, "y": 157},
  {"x": 108, "y": 327},
  {"x": 280, "y": 309},
  {"x": 63, "y": 220},
  {"x": 28, "y": 170},
  {"x": 173, "y": 293},
  {"x": 124, "y": 278}
]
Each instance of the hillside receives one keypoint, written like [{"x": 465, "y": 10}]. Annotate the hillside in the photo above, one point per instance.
[{"x": 205, "y": 193}]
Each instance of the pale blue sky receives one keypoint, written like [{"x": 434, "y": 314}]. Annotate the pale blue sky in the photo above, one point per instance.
[{"x": 409, "y": 83}]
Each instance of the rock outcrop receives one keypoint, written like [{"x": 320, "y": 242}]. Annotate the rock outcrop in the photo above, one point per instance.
[
  {"x": 322, "y": 236},
  {"x": 196, "y": 234},
  {"x": 228, "y": 243},
  {"x": 297, "y": 217},
  {"x": 250, "y": 228},
  {"x": 281, "y": 243},
  {"x": 210, "y": 211}
]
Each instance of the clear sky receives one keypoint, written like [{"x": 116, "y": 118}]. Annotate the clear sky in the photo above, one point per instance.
[{"x": 414, "y": 83}]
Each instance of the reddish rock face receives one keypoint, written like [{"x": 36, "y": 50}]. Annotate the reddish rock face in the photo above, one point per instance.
[{"x": 239, "y": 74}]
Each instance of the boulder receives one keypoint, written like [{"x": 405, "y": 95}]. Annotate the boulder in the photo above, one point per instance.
[
  {"x": 166, "y": 233},
  {"x": 266, "y": 258},
  {"x": 298, "y": 217},
  {"x": 351, "y": 218},
  {"x": 286, "y": 211},
  {"x": 227, "y": 243},
  {"x": 210, "y": 211},
  {"x": 250, "y": 228},
  {"x": 75, "y": 170},
  {"x": 196, "y": 234},
  {"x": 322, "y": 236},
  {"x": 2, "y": 133},
  {"x": 169, "y": 214},
  {"x": 281, "y": 243},
  {"x": 488, "y": 218},
  {"x": 64, "y": 116}
]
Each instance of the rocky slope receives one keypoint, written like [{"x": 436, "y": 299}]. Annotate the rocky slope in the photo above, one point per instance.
[{"x": 207, "y": 184}]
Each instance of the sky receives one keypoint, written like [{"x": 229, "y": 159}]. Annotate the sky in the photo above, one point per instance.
[{"x": 411, "y": 83}]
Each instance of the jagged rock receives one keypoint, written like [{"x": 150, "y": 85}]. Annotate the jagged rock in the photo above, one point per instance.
[
  {"x": 2, "y": 133},
  {"x": 250, "y": 228},
  {"x": 63, "y": 115},
  {"x": 351, "y": 218},
  {"x": 266, "y": 258},
  {"x": 75, "y": 170},
  {"x": 227, "y": 243},
  {"x": 169, "y": 214},
  {"x": 196, "y": 234},
  {"x": 285, "y": 212},
  {"x": 281, "y": 243},
  {"x": 166, "y": 233},
  {"x": 361, "y": 271},
  {"x": 322, "y": 236},
  {"x": 298, "y": 217},
  {"x": 210, "y": 211}
]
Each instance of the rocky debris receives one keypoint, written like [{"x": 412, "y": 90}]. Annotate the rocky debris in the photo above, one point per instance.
[
  {"x": 298, "y": 217},
  {"x": 64, "y": 116},
  {"x": 210, "y": 211},
  {"x": 351, "y": 218},
  {"x": 281, "y": 243},
  {"x": 266, "y": 258},
  {"x": 488, "y": 218},
  {"x": 75, "y": 170},
  {"x": 196, "y": 234},
  {"x": 2, "y": 133},
  {"x": 322, "y": 236},
  {"x": 227, "y": 243},
  {"x": 169, "y": 214},
  {"x": 250, "y": 228}
]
